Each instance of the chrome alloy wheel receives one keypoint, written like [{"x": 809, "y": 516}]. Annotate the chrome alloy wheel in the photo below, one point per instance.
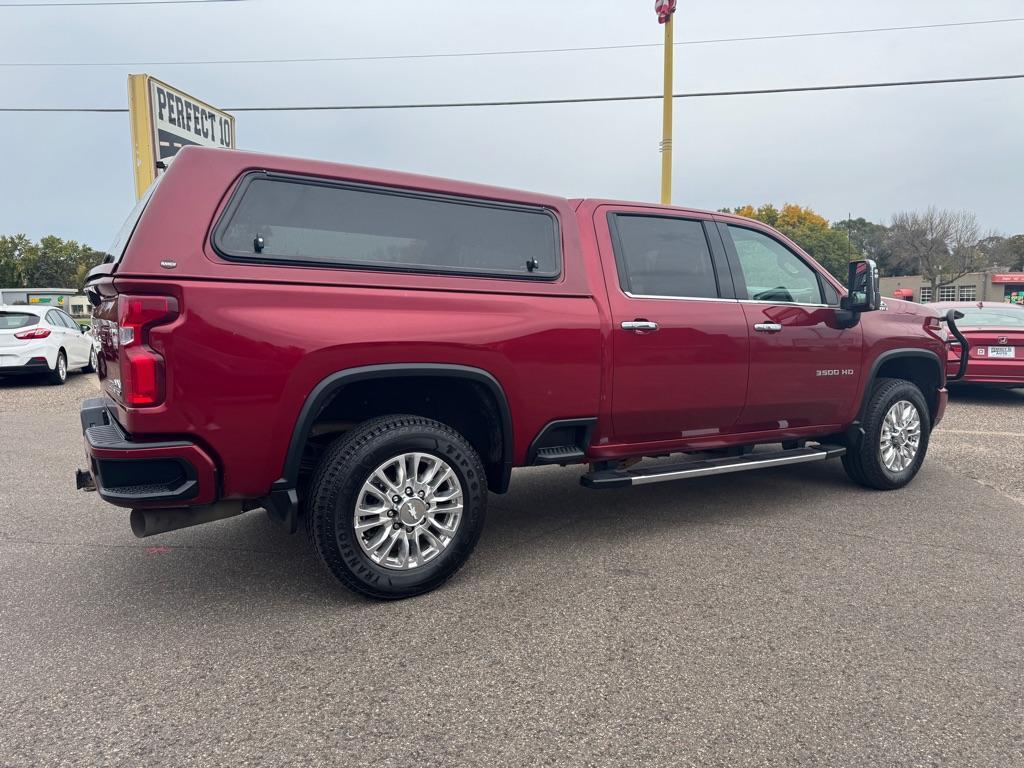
[
  {"x": 408, "y": 511},
  {"x": 62, "y": 367},
  {"x": 901, "y": 436}
]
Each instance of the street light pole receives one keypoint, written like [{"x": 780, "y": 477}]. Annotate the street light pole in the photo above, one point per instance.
[{"x": 665, "y": 10}]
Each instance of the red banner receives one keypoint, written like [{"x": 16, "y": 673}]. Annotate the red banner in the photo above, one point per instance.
[
  {"x": 664, "y": 9},
  {"x": 1008, "y": 277}
]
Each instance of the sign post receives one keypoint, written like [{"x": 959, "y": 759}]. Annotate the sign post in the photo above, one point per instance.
[{"x": 163, "y": 120}]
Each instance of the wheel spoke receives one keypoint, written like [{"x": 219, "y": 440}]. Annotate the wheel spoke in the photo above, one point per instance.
[
  {"x": 432, "y": 539},
  {"x": 403, "y": 549},
  {"x": 388, "y": 541},
  {"x": 381, "y": 476},
  {"x": 446, "y": 528},
  {"x": 361, "y": 525},
  {"x": 432, "y": 469},
  {"x": 440, "y": 479},
  {"x": 371, "y": 547},
  {"x": 399, "y": 465},
  {"x": 415, "y": 461},
  {"x": 415, "y": 550}
]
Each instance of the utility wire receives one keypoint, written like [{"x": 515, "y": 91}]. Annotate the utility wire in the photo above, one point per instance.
[
  {"x": 116, "y": 2},
  {"x": 585, "y": 100},
  {"x": 529, "y": 51}
]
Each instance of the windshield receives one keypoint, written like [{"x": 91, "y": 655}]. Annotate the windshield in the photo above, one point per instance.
[
  {"x": 116, "y": 250},
  {"x": 992, "y": 317},
  {"x": 9, "y": 320}
]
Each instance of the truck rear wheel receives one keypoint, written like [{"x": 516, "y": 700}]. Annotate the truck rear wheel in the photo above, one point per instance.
[
  {"x": 397, "y": 505},
  {"x": 896, "y": 428}
]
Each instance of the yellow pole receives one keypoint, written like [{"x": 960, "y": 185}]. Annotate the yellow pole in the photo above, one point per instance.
[
  {"x": 143, "y": 155},
  {"x": 666, "y": 120}
]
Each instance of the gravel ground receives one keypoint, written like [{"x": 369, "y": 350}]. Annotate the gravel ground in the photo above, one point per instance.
[{"x": 784, "y": 617}]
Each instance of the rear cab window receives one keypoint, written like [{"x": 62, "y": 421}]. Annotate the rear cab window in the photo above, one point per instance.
[
  {"x": 663, "y": 256},
  {"x": 284, "y": 219}
]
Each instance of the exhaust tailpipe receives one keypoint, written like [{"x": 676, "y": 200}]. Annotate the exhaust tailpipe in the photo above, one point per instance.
[{"x": 150, "y": 522}]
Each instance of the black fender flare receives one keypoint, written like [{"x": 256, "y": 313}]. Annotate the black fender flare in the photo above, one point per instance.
[
  {"x": 283, "y": 490},
  {"x": 893, "y": 354}
]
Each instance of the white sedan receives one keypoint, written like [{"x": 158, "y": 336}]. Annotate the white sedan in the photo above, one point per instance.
[{"x": 43, "y": 340}]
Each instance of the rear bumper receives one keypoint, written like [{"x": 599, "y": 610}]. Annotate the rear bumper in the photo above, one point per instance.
[
  {"x": 31, "y": 357},
  {"x": 983, "y": 370},
  {"x": 130, "y": 473},
  {"x": 29, "y": 368}
]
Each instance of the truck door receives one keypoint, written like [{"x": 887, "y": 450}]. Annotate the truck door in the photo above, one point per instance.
[
  {"x": 679, "y": 338},
  {"x": 804, "y": 368}
]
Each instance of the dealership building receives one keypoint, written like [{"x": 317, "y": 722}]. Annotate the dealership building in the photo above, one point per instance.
[
  {"x": 974, "y": 286},
  {"x": 74, "y": 303}
]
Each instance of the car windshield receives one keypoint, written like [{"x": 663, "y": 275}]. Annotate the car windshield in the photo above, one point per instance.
[
  {"x": 992, "y": 317},
  {"x": 9, "y": 320}
]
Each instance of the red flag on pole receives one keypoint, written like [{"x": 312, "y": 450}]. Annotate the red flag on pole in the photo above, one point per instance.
[{"x": 664, "y": 9}]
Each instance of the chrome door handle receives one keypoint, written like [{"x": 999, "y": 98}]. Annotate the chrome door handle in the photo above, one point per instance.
[
  {"x": 639, "y": 325},
  {"x": 768, "y": 327}
]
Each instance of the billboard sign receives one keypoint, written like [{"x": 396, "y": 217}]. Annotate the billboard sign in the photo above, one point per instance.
[{"x": 164, "y": 120}]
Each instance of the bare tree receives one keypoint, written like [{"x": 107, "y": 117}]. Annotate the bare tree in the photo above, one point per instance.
[{"x": 943, "y": 245}]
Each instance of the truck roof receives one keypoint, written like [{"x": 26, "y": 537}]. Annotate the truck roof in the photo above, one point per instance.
[{"x": 246, "y": 160}]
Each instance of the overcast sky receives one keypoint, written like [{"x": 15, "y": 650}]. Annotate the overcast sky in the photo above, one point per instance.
[{"x": 868, "y": 152}]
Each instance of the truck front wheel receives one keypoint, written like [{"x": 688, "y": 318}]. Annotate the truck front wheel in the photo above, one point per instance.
[
  {"x": 895, "y": 439},
  {"x": 397, "y": 506}
]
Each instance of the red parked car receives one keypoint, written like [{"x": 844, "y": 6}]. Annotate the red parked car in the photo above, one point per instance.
[
  {"x": 372, "y": 352},
  {"x": 996, "y": 335}
]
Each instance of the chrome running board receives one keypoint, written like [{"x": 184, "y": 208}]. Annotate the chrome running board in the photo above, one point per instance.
[{"x": 619, "y": 478}]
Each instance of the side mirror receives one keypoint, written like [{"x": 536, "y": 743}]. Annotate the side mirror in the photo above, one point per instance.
[{"x": 862, "y": 287}]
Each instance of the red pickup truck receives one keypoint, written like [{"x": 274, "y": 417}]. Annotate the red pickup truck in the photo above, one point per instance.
[{"x": 372, "y": 352}]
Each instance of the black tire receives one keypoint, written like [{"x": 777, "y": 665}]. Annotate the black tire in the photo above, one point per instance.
[
  {"x": 348, "y": 462},
  {"x": 863, "y": 459},
  {"x": 90, "y": 367},
  {"x": 59, "y": 374}
]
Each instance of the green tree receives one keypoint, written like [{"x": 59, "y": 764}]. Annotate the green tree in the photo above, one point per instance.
[
  {"x": 52, "y": 262},
  {"x": 809, "y": 230},
  {"x": 1003, "y": 252},
  {"x": 12, "y": 251},
  {"x": 870, "y": 241}
]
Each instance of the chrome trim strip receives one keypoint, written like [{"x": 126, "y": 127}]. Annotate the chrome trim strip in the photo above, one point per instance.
[
  {"x": 725, "y": 469},
  {"x": 736, "y": 301},
  {"x": 675, "y": 298},
  {"x": 787, "y": 303}
]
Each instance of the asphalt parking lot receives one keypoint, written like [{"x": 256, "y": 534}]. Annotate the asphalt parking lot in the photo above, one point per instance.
[{"x": 783, "y": 617}]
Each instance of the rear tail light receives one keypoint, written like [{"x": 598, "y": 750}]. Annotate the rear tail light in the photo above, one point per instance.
[
  {"x": 34, "y": 333},
  {"x": 142, "y": 367}
]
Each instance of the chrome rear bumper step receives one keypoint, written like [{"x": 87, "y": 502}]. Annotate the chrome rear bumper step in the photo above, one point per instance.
[{"x": 620, "y": 478}]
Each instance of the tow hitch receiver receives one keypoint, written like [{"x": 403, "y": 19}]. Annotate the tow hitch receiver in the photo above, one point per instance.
[{"x": 965, "y": 348}]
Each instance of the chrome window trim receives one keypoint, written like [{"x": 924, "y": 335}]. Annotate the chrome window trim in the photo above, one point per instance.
[
  {"x": 677, "y": 298},
  {"x": 737, "y": 301},
  {"x": 788, "y": 303}
]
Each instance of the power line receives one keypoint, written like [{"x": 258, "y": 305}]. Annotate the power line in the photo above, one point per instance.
[
  {"x": 464, "y": 54},
  {"x": 584, "y": 100},
  {"x": 116, "y": 2}
]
